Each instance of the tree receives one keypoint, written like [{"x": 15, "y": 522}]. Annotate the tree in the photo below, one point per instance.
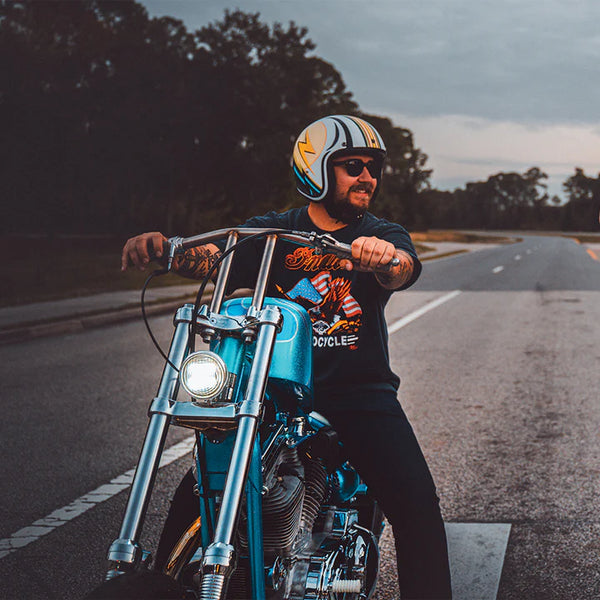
[
  {"x": 583, "y": 206},
  {"x": 119, "y": 123},
  {"x": 516, "y": 197},
  {"x": 92, "y": 112},
  {"x": 405, "y": 177},
  {"x": 266, "y": 86},
  {"x": 503, "y": 201}
]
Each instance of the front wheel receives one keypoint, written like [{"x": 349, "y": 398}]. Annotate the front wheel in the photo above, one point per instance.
[{"x": 139, "y": 585}]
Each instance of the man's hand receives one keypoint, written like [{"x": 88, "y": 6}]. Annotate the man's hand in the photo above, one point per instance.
[
  {"x": 194, "y": 263},
  {"x": 371, "y": 254},
  {"x": 138, "y": 251}
]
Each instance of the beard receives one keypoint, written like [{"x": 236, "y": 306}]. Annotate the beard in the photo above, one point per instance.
[{"x": 341, "y": 208}]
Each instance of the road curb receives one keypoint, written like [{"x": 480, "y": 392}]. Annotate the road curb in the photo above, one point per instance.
[
  {"x": 84, "y": 323},
  {"x": 77, "y": 324}
]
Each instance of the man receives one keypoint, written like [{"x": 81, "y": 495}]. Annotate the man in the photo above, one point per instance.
[{"x": 337, "y": 163}]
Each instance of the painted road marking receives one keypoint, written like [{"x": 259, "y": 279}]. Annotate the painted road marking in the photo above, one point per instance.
[
  {"x": 497, "y": 269},
  {"x": 63, "y": 515},
  {"x": 518, "y": 257},
  {"x": 421, "y": 311},
  {"x": 528, "y": 251},
  {"x": 476, "y": 552},
  {"x": 592, "y": 254}
]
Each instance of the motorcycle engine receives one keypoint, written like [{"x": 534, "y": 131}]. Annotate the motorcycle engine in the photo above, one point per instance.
[
  {"x": 293, "y": 491},
  {"x": 315, "y": 550}
]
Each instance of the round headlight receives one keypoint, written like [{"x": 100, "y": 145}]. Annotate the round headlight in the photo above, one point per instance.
[{"x": 204, "y": 375}]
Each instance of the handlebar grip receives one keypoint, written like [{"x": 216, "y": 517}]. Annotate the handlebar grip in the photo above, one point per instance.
[
  {"x": 345, "y": 251},
  {"x": 165, "y": 252}
]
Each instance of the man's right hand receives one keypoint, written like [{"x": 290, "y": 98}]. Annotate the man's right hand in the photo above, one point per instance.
[{"x": 138, "y": 251}]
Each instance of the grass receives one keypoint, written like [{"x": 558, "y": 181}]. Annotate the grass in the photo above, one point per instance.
[
  {"x": 458, "y": 237},
  {"x": 585, "y": 238},
  {"x": 422, "y": 248},
  {"x": 444, "y": 255},
  {"x": 35, "y": 269},
  {"x": 40, "y": 268}
]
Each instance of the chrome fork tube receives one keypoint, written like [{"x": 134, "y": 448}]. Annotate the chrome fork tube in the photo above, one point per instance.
[
  {"x": 249, "y": 334},
  {"x": 219, "y": 559},
  {"x": 126, "y": 550},
  {"x": 223, "y": 278},
  {"x": 264, "y": 271}
]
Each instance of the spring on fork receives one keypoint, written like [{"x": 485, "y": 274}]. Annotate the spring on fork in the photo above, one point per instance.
[{"x": 213, "y": 587}]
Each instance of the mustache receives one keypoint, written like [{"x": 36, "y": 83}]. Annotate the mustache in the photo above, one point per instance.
[{"x": 363, "y": 187}]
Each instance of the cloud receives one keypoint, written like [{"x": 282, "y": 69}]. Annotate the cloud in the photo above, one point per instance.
[
  {"x": 495, "y": 60},
  {"x": 485, "y": 85},
  {"x": 523, "y": 60},
  {"x": 463, "y": 148}
]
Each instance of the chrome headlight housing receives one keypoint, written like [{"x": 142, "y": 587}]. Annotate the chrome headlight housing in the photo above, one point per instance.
[{"x": 204, "y": 376}]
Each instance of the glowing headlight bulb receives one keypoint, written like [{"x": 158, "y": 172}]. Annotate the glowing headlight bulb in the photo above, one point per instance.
[{"x": 204, "y": 375}]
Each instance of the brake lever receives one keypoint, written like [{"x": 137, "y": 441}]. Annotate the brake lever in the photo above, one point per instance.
[
  {"x": 341, "y": 250},
  {"x": 175, "y": 247},
  {"x": 330, "y": 244}
]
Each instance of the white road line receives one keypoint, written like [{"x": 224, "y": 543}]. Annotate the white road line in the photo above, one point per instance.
[
  {"x": 63, "y": 515},
  {"x": 421, "y": 311},
  {"x": 497, "y": 269},
  {"x": 528, "y": 251},
  {"x": 518, "y": 257},
  {"x": 476, "y": 552}
]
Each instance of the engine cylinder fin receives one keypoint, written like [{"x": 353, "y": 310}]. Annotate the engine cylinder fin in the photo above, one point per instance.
[
  {"x": 316, "y": 489},
  {"x": 281, "y": 505}
]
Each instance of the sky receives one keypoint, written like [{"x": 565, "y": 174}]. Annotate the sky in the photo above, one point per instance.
[{"x": 485, "y": 86}]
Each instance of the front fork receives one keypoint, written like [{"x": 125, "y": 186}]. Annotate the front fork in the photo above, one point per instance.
[
  {"x": 125, "y": 552},
  {"x": 219, "y": 559}
]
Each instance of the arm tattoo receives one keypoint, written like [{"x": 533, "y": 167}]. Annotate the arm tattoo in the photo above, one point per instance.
[
  {"x": 196, "y": 262},
  {"x": 399, "y": 275}
]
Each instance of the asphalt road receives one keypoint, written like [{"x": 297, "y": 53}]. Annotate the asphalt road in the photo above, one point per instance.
[{"x": 500, "y": 382}]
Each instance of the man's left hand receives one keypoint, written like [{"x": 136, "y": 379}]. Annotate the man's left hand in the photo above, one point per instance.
[
  {"x": 375, "y": 255},
  {"x": 370, "y": 254}
]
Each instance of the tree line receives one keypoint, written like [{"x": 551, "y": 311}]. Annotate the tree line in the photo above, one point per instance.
[
  {"x": 517, "y": 201},
  {"x": 115, "y": 122}
]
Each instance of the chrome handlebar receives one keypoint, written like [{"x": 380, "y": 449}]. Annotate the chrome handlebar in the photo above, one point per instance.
[{"x": 324, "y": 243}]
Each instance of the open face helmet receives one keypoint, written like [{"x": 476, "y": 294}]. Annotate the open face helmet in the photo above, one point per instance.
[{"x": 331, "y": 136}]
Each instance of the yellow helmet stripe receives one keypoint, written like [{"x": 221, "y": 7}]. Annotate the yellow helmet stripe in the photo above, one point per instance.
[{"x": 368, "y": 133}]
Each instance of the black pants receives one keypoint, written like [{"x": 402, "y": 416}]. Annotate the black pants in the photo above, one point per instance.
[{"x": 381, "y": 444}]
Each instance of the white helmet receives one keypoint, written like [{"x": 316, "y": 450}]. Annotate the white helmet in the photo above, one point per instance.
[{"x": 320, "y": 141}]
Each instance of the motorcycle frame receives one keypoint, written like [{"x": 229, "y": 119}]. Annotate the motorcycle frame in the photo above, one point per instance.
[{"x": 261, "y": 324}]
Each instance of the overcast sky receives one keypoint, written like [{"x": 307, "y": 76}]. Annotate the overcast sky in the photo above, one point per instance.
[{"x": 485, "y": 86}]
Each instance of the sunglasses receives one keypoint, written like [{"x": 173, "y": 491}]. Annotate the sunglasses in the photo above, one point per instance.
[{"x": 354, "y": 167}]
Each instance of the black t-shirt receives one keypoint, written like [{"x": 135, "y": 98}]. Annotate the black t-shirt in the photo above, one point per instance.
[{"x": 350, "y": 339}]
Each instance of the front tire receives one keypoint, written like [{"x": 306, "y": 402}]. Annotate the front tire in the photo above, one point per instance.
[{"x": 139, "y": 585}]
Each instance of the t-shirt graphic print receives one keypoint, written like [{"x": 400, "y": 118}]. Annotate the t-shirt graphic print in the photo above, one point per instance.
[{"x": 334, "y": 312}]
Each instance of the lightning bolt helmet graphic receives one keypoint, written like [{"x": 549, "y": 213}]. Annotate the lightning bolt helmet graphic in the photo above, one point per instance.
[
  {"x": 305, "y": 148},
  {"x": 321, "y": 141}
]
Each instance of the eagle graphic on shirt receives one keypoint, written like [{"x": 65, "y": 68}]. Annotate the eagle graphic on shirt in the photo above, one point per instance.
[{"x": 334, "y": 312}]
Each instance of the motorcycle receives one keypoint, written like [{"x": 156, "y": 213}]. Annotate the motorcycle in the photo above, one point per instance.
[{"x": 283, "y": 514}]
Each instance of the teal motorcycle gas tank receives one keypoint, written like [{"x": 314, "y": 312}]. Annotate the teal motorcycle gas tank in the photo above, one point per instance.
[{"x": 291, "y": 375}]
